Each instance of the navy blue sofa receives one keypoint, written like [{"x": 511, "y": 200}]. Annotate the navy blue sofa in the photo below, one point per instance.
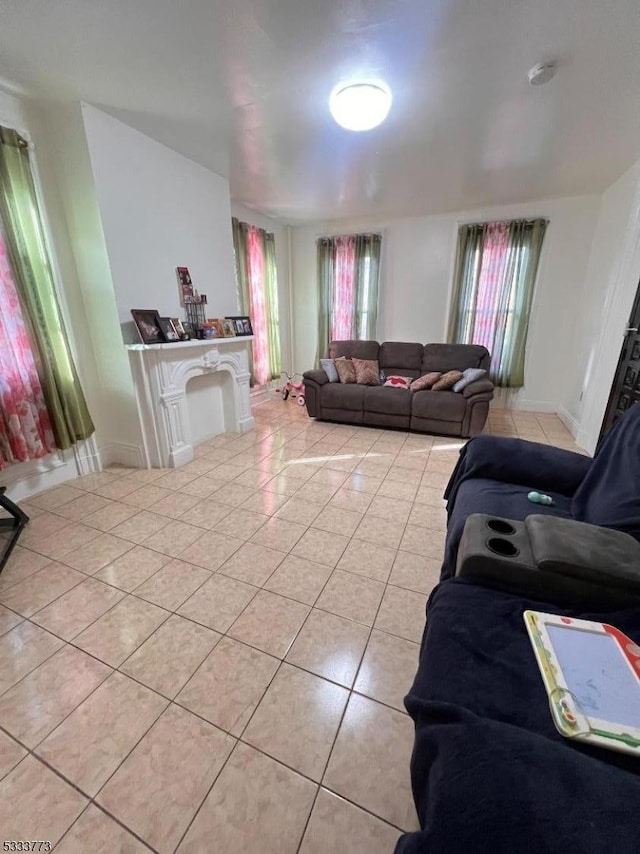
[
  {"x": 489, "y": 771},
  {"x": 494, "y": 476}
]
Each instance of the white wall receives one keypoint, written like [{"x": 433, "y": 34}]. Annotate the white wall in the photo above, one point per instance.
[
  {"x": 159, "y": 210},
  {"x": 416, "y": 276},
  {"x": 281, "y": 235},
  {"x": 610, "y": 286}
]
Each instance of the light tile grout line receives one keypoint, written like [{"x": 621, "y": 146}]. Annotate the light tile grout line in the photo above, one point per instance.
[{"x": 391, "y": 452}]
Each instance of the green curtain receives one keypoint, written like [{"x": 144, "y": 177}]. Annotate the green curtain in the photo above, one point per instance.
[
  {"x": 28, "y": 256},
  {"x": 239, "y": 230},
  {"x": 367, "y": 275},
  {"x": 494, "y": 278},
  {"x": 366, "y": 284},
  {"x": 325, "y": 277}
]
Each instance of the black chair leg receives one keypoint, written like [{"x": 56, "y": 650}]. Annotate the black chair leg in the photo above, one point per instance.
[{"x": 18, "y": 519}]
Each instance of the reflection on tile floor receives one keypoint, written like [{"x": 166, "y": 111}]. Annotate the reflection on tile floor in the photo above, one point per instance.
[{"x": 216, "y": 657}]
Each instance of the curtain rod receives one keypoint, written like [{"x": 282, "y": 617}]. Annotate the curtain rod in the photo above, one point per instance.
[{"x": 515, "y": 219}]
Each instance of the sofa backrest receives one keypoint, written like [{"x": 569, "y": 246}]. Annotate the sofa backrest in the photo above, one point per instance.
[
  {"x": 354, "y": 349},
  {"x": 454, "y": 357},
  {"x": 399, "y": 357},
  {"x": 412, "y": 360}
]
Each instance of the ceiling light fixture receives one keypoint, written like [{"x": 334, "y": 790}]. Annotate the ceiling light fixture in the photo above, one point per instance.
[{"x": 360, "y": 106}]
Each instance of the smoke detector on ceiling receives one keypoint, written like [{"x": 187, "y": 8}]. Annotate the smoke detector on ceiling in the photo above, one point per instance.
[{"x": 541, "y": 73}]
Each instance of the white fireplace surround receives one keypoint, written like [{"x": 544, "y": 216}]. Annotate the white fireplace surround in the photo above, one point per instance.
[{"x": 160, "y": 375}]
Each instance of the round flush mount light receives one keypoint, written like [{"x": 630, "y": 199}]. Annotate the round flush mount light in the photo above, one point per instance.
[
  {"x": 541, "y": 73},
  {"x": 360, "y": 106}
]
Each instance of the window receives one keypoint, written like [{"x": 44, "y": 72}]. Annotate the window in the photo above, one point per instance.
[
  {"x": 348, "y": 271},
  {"x": 257, "y": 285},
  {"x": 495, "y": 272}
]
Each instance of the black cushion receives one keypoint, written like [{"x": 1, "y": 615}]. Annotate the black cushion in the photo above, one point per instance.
[
  {"x": 398, "y": 357},
  {"x": 392, "y": 401},
  {"x": 439, "y": 405},
  {"x": 454, "y": 357},
  {"x": 343, "y": 396},
  {"x": 354, "y": 349}
]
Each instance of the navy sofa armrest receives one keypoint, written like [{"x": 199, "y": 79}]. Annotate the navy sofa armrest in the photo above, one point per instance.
[
  {"x": 478, "y": 387},
  {"x": 316, "y": 376},
  {"x": 519, "y": 462}
]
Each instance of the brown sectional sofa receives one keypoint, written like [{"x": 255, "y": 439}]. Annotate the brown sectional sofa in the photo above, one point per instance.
[{"x": 445, "y": 412}]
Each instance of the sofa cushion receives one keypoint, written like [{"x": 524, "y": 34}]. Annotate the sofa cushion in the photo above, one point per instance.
[
  {"x": 328, "y": 366},
  {"x": 447, "y": 357},
  {"x": 439, "y": 405},
  {"x": 388, "y": 400},
  {"x": 469, "y": 376},
  {"x": 397, "y": 357},
  {"x": 367, "y": 371},
  {"x": 355, "y": 349},
  {"x": 425, "y": 381},
  {"x": 447, "y": 381},
  {"x": 343, "y": 396},
  {"x": 346, "y": 370},
  {"x": 398, "y": 382}
]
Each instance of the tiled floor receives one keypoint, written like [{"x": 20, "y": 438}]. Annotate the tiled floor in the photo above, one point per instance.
[{"x": 214, "y": 659}]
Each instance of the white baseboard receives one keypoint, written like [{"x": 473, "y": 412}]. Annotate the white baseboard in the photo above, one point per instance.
[
  {"x": 121, "y": 454},
  {"x": 504, "y": 400},
  {"x": 26, "y": 479},
  {"x": 569, "y": 421}
]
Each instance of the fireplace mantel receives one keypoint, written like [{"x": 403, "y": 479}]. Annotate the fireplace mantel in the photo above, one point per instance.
[{"x": 161, "y": 373}]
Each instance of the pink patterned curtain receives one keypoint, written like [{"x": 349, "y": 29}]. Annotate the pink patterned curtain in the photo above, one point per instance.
[
  {"x": 258, "y": 309},
  {"x": 25, "y": 428},
  {"x": 495, "y": 254},
  {"x": 345, "y": 289}
]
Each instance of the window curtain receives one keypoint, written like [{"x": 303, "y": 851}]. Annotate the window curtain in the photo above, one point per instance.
[
  {"x": 347, "y": 274},
  {"x": 25, "y": 427},
  {"x": 257, "y": 287},
  {"x": 29, "y": 262},
  {"x": 495, "y": 272}
]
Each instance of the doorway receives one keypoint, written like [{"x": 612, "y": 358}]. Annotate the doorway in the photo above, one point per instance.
[{"x": 625, "y": 390}]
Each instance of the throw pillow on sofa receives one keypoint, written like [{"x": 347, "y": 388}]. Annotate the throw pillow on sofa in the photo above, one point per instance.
[
  {"x": 447, "y": 381},
  {"x": 399, "y": 382},
  {"x": 345, "y": 369},
  {"x": 367, "y": 371},
  {"x": 329, "y": 368},
  {"x": 469, "y": 376},
  {"x": 425, "y": 381}
]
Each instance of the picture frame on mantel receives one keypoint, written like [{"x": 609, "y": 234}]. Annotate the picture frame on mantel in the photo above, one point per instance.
[
  {"x": 170, "y": 332},
  {"x": 228, "y": 327},
  {"x": 242, "y": 325},
  {"x": 148, "y": 324}
]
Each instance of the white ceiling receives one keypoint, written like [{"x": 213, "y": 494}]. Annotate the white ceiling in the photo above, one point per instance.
[{"x": 242, "y": 86}]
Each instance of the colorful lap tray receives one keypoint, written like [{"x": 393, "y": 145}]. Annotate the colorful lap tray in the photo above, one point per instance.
[{"x": 591, "y": 672}]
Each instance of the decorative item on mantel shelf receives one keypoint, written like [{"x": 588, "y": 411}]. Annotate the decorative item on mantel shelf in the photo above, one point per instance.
[
  {"x": 196, "y": 310},
  {"x": 170, "y": 332},
  {"x": 149, "y": 325},
  {"x": 242, "y": 325},
  {"x": 228, "y": 327},
  {"x": 185, "y": 285}
]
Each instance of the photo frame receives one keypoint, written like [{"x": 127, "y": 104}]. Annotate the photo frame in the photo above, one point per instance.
[
  {"x": 216, "y": 324},
  {"x": 179, "y": 327},
  {"x": 242, "y": 325},
  {"x": 171, "y": 334},
  {"x": 185, "y": 285},
  {"x": 147, "y": 321},
  {"x": 228, "y": 327}
]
